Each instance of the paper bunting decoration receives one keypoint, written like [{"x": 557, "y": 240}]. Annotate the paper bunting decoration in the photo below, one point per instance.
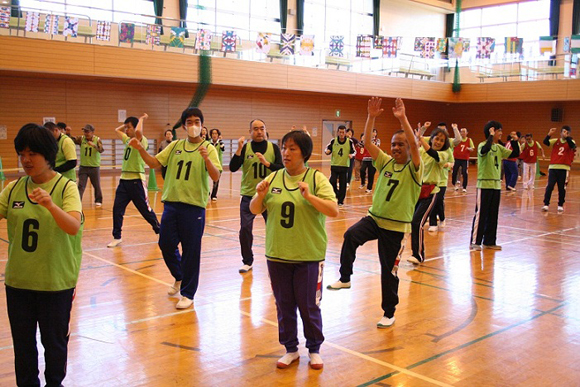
[
  {"x": 263, "y": 43},
  {"x": 103, "y": 30},
  {"x": 426, "y": 45},
  {"x": 71, "y": 26},
  {"x": 514, "y": 45},
  {"x": 4, "y": 17},
  {"x": 127, "y": 33},
  {"x": 287, "y": 44},
  {"x": 203, "y": 40},
  {"x": 336, "y": 46},
  {"x": 51, "y": 24},
  {"x": 566, "y": 47},
  {"x": 466, "y": 44},
  {"x": 177, "y": 37},
  {"x": 153, "y": 36},
  {"x": 391, "y": 45},
  {"x": 32, "y": 20},
  {"x": 575, "y": 44},
  {"x": 363, "y": 45},
  {"x": 441, "y": 45},
  {"x": 307, "y": 45},
  {"x": 229, "y": 41},
  {"x": 485, "y": 46},
  {"x": 456, "y": 46},
  {"x": 378, "y": 42}
]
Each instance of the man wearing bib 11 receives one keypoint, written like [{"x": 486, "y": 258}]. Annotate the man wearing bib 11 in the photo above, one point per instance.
[
  {"x": 298, "y": 199},
  {"x": 45, "y": 223},
  {"x": 389, "y": 218},
  {"x": 189, "y": 163},
  {"x": 257, "y": 158}
]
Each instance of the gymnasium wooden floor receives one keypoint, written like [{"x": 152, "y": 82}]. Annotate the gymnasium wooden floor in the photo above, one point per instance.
[{"x": 487, "y": 318}]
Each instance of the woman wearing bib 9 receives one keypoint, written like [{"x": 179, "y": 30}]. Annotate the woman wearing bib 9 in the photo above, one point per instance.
[{"x": 297, "y": 199}]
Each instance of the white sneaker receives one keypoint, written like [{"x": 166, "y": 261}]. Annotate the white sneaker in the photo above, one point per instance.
[
  {"x": 245, "y": 268},
  {"x": 442, "y": 224},
  {"x": 386, "y": 322},
  {"x": 339, "y": 285},
  {"x": 560, "y": 209},
  {"x": 464, "y": 190},
  {"x": 316, "y": 362},
  {"x": 545, "y": 209},
  {"x": 414, "y": 260},
  {"x": 214, "y": 199},
  {"x": 474, "y": 247},
  {"x": 525, "y": 186},
  {"x": 115, "y": 243},
  {"x": 174, "y": 289},
  {"x": 184, "y": 303},
  {"x": 432, "y": 229},
  {"x": 287, "y": 359},
  {"x": 362, "y": 186},
  {"x": 97, "y": 204},
  {"x": 457, "y": 188},
  {"x": 369, "y": 191}
]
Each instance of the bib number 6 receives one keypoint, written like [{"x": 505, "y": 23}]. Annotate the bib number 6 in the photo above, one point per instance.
[{"x": 29, "y": 236}]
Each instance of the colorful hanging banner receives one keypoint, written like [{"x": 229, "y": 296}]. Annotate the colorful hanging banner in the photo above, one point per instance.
[
  {"x": 575, "y": 44},
  {"x": 363, "y": 46},
  {"x": 336, "y": 47},
  {"x": 287, "y": 44},
  {"x": 51, "y": 24},
  {"x": 485, "y": 46},
  {"x": 391, "y": 45},
  {"x": 514, "y": 45},
  {"x": 177, "y": 37},
  {"x": 103, "y": 30},
  {"x": 263, "y": 43},
  {"x": 203, "y": 40},
  {"x": 307, "y": 45},
  {"x": 229, "y": 41}
]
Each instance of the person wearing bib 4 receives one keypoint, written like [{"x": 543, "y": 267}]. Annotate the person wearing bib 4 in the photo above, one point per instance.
[
  {"x": 560, "y": 162},
  {"x": 297, "y": 199},
  {"x": 132, "y": 186},
  {"x": 389, "y": 218},
  {"x": 190, "y": 162},
  {"x": 45, "y": 224},
  {"x": 66, "y": 158},
  {"x": 341, "y": 150},
  {"x": 489, "y": 157},
  {"x": 91, "y": 149},
  {"x": 257, "y": 158}
]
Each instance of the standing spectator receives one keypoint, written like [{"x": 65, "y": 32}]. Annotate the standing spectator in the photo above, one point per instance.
[
  {"x": 510, "y": 166},
  {"x": 216, "y": 141},
  {"x": 367, "y": 168},
  {"x": 560, "y": 161},
  {"x": 257, "y": 158},
  {"x": 44, "y": 215},
  {"x": 358, "y": 157},
  {"x": 350, "y": 135},
  {"x": 168, "y": 138},
  {"x": 489, "y": 156},
  {"x": 342, "y": 150},
  {"x": 90, "y": 168}
]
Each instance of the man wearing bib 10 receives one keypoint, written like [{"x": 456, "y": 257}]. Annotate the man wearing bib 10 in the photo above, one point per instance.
[
  {"x": 66, "y": 158},
  {"x": 189, "y": 162},
  {"x": 489, "y": 156},
  {"x": 560, "y": 162},
  {"x": 389, "y": 218},
  {"x": 91, "y": 149},
  {"x": 297, "y": 199},
  {"x": 132, "y": 187},
  {"x": 257, "y": 158},
  {"x": 45, "y": 222},
  {"x": 341, "y": 150}
]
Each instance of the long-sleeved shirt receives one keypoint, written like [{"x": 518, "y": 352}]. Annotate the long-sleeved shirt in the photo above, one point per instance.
[{"x": 237, "y": 161}]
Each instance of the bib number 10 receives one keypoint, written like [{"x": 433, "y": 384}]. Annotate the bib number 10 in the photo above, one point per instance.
[
  {"x": 259, "y": 170},
  {"x": 29, "y": 235}
]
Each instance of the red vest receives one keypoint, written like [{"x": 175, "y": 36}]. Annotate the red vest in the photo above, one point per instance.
[
  {"x": 530, "y": 153},
  {"x": 460, "y": 151},
  {"x": 562, "y": 153}
]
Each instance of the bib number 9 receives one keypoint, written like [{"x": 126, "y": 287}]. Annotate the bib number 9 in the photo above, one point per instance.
[{"x": 287, "y": 220}]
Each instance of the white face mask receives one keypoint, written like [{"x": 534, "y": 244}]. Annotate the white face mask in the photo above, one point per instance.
[{"x": 194, "y": 131}]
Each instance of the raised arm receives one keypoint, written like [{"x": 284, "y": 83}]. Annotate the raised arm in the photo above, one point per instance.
[
  {"x": 456, "y": 134},
  {"x": 399, "y": 113},
  {"x": 120, "y": 131},
  {"x": 374, "y": 110},
  {"x": 150, "y": 160},
  {"x": 139, "y": 128}
]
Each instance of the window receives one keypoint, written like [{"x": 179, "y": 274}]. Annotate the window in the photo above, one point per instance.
[
  {"x": 349, "y": 18},
  {"x": 246, "y": 17},
  {"x": 112, "y": 10}
]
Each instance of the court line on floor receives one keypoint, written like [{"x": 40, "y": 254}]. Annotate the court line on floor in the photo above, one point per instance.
[
  {"x": 336, "y": 346},
  {"x": 462, "y": 346}
]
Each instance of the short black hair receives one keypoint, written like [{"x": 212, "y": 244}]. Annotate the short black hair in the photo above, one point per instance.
[
  {"x": 491, "y": 124},
  {"x": 168, "y": 130},
  {"x": 215, "y": 129},
  {"x": 191, "y": 112},
  {"x": 51, "y": 126},
  {"x": 341, "y": 127},
  {"x": 39, "y": 140},
  {"x": 61, "y": 125},
  {"x": 568, "y": 128},
  {"x": 303, "y": 141},
  {"x": 254, "y": 120},
  {"x": 350, "y": 130},
  {"x": 529, "y": 135},
  {"x": 442, "y": 124},
  {"x": 435, "y": 132},
  {"x": 132, "y": 120}
]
